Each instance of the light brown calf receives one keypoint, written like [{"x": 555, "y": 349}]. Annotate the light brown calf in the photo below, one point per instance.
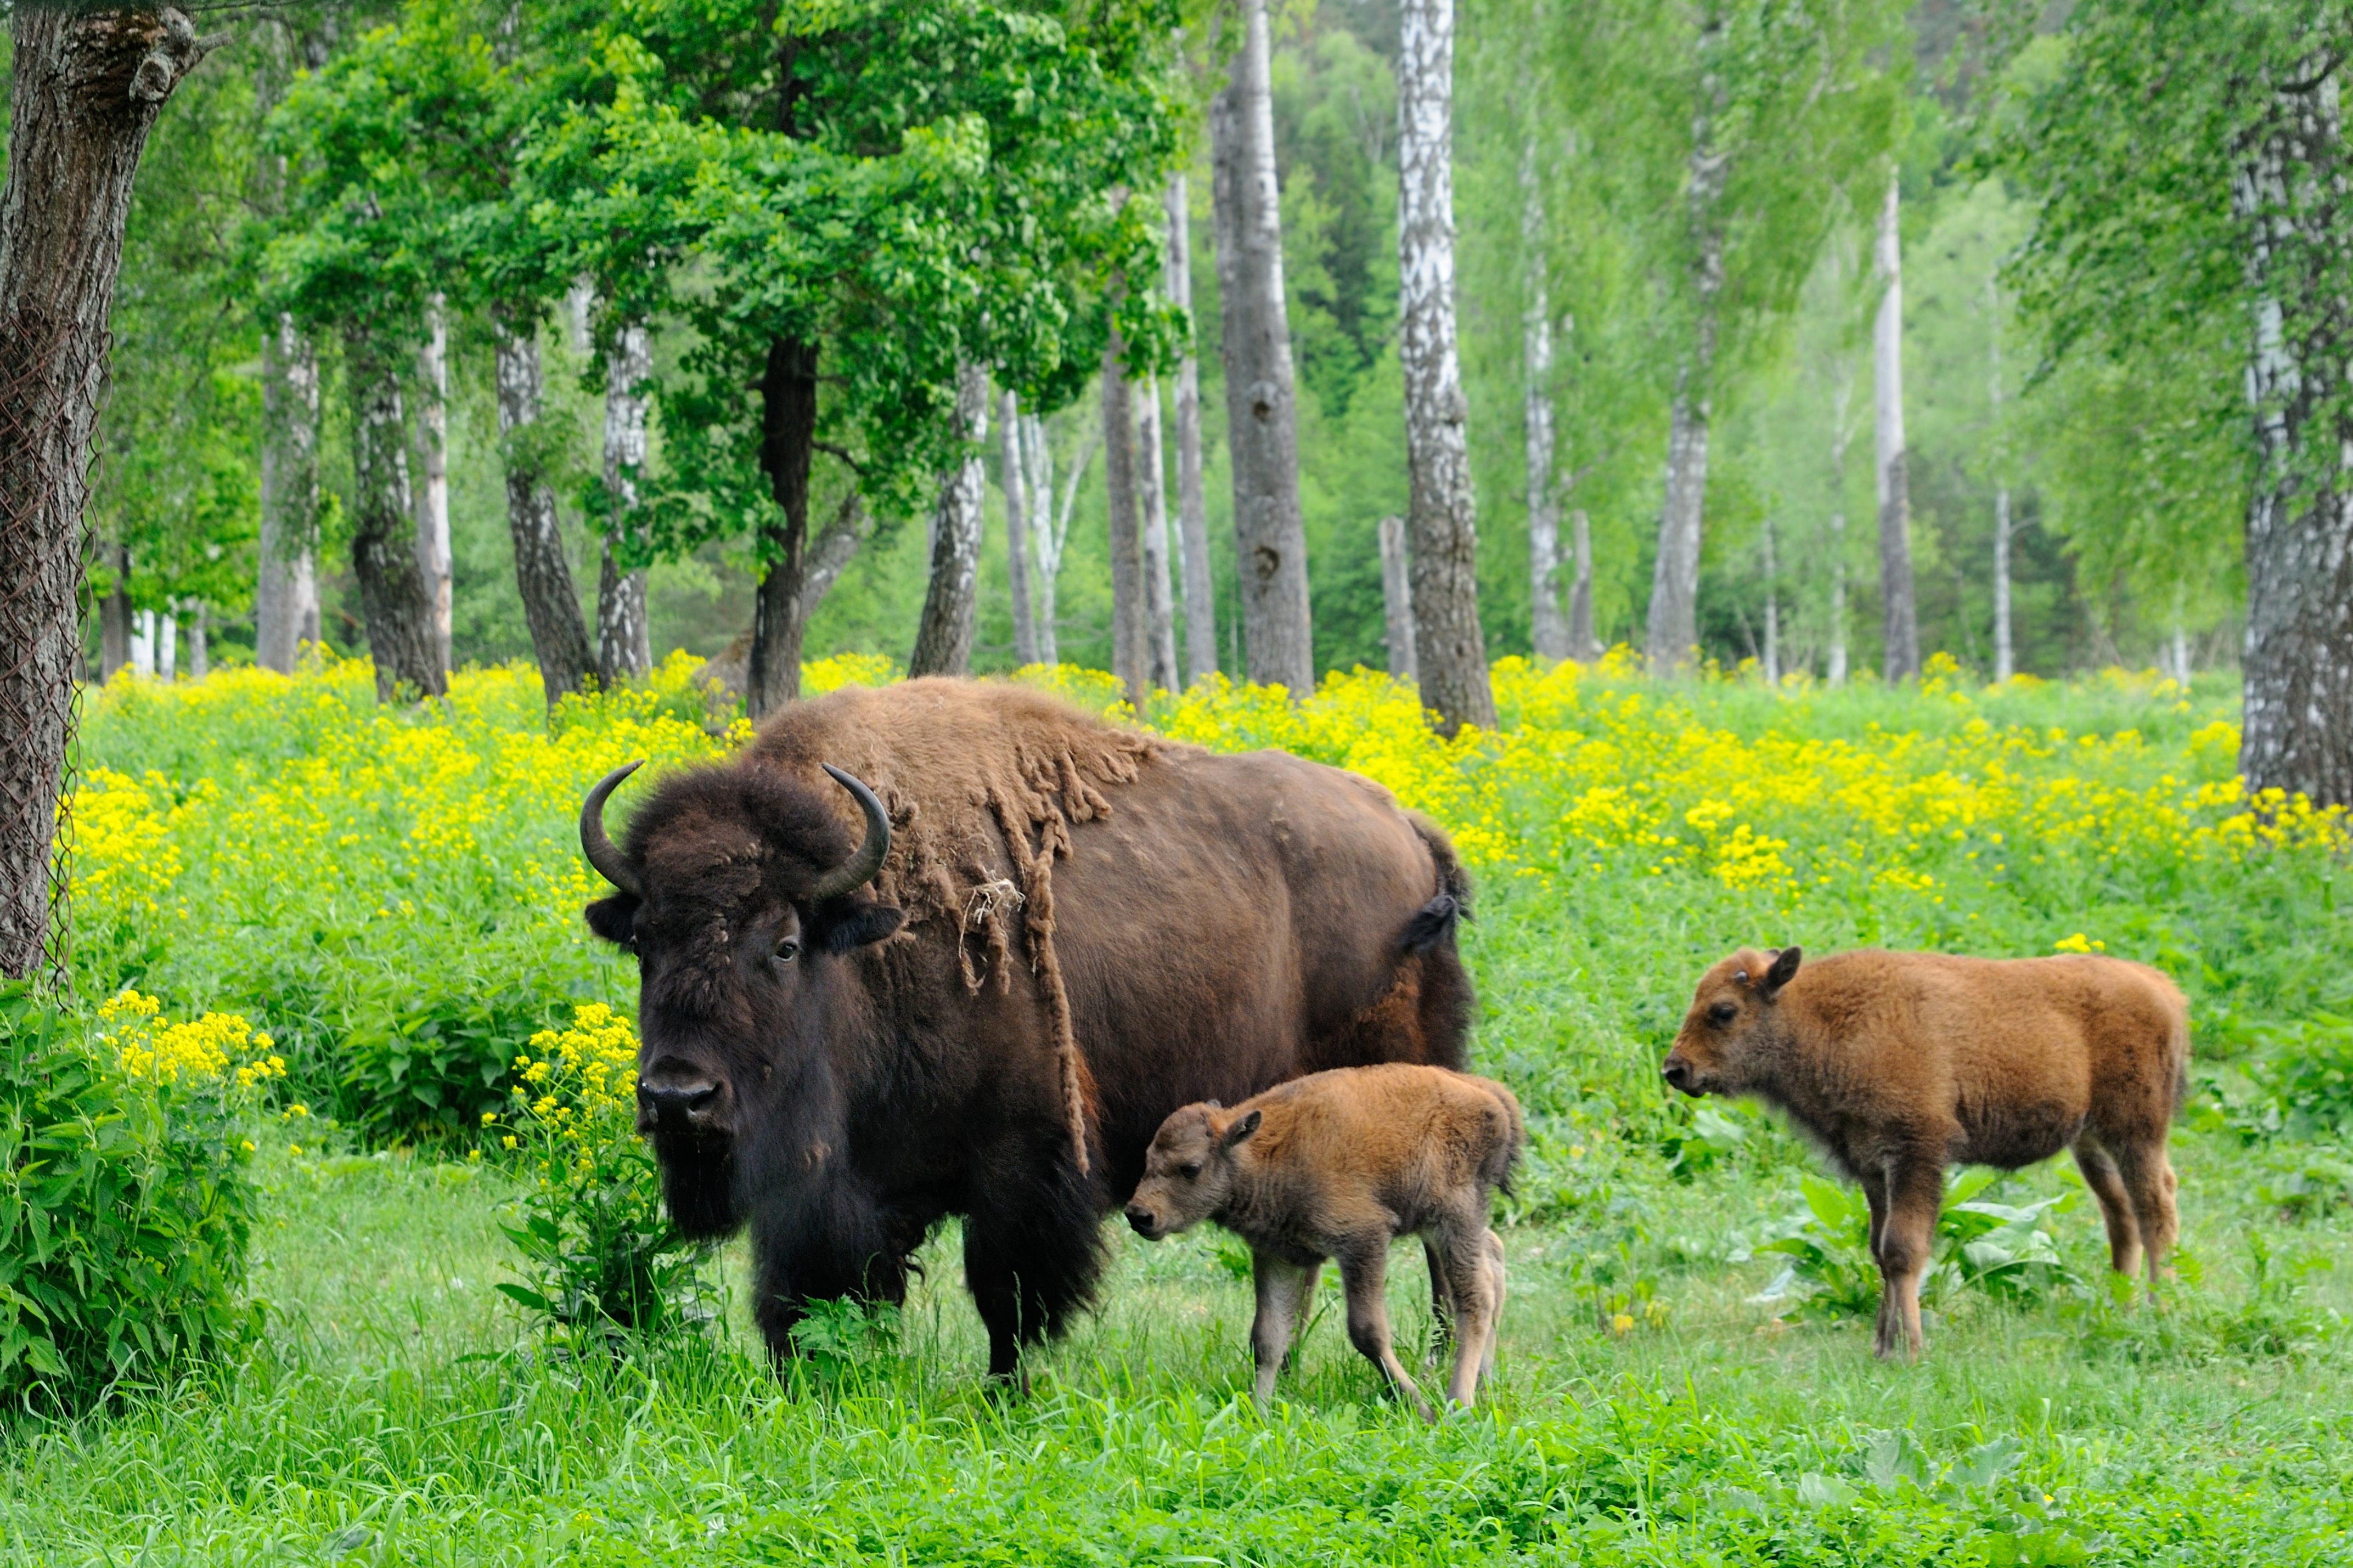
[
  {"x": 1900, "y": 1064},
  {"x": 1338, "y": 1164}
]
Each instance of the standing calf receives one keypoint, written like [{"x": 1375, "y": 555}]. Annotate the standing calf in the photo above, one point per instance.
[
  {"x": 1338, "y": 1164},
  {"x": 1900, "y": 1064}
]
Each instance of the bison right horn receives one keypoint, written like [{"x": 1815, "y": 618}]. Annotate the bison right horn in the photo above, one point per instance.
[
  {"x": 861, "y": 867},
  {"x": 603, "y": 853}
]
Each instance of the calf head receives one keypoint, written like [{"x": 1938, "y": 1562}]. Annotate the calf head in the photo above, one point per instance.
[
  {"x": 1732, "y": 1017},
  {"x": 738, "y": 894},
  {"x": 1189, "y": 1168}
]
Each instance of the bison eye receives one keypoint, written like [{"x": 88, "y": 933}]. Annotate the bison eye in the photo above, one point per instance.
[
  {"x": 1189, "y": 1172},
  {"x": 1724, "y": 1012},
  {"x": 787, "y": 948}
]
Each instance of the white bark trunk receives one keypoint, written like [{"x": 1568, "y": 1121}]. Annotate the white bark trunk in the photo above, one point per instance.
[
  {"x": 1192, "y": 511},
  {"x": 1397, "y": 602},
  {"x": 1901, "y": 656},
  {"x": 286, "y": 584},
  {"x": 200, "y": 650},
  {"x": 944, "y": 637},
  {"x": 624, "y": 630},
  {"x": 1548, "y": 629},
  {"x": 1583, "y": 643},
  {"x": 1152, "y": 492},
  {"x": 432, "y": 466},
  {"x": 2004, "y": 665},
  {"x": 1842, "y": 396},
  {"x": 1772, "y": 610},
  {"x": 551, "y": 607},
  {"x": 1017, "y": 526}
]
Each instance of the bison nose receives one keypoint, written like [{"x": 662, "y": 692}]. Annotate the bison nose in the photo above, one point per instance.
[
  {"x": 1142, "y": 1219},
  {"x": 1679, "y": 1074},
  {"x": 676, "y": 1107}
]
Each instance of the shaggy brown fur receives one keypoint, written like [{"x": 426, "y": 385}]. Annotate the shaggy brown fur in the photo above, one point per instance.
[
  {"x": 1900, "y": 1064},
  {"x": 1338, "y": 1164},
  {"x": 1077, "y": 929}
]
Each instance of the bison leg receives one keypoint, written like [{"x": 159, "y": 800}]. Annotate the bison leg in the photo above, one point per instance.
[
  {"x": 2149, "y": 1180},
  {"x": 1915, "y": 1188},
  {"x": 1470, "y": 1270},
  {"x": 1031, "y": 1259},
  {"x": 1364, "y": 1270},
  {"x": 832, "y": 1244},
  {"x": 1284, "y": 1290},
  {"x": 1874, "y": 1193},
  {"x": 1494, "y": 1250},
  {"x": 2108, "y": 1184},
  {"x": 1441, "y": 1305}
]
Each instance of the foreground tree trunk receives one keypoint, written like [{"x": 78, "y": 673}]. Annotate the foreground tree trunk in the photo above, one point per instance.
[
  {"x": 1900, "y": 660},
  {"x": 88, "y": 87},
  {"x": 1547, "y": 630},
  {"x": 943, "y": 636},
  {"x": 787, "y": 444},
  {"x": 286, "y": 580},
  {"x": 1131, "y": 639},
  {"x": 624, "y": 634},
  {"x": 2290, "y": 198},
  {"x": 397, "y": 611},
  {"x": 1261, "y": 400},
  {"x": 433, "y": 469},
  {"x": 550, "y": 606},
  {"x": 1673, "y": 622},
  {"x": 1449, "y": 643},
  {"x": 1192, "y": 511}
]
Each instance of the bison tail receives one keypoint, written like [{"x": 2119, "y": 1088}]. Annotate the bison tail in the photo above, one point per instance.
[
  {"x": 1452, "y": 880},
  {"x": 1433, "y": 923},
  {"x": 1503, "y": 1157}
]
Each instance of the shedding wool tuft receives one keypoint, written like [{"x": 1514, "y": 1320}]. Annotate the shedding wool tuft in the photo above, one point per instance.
[{"x": 983, "y": 782}]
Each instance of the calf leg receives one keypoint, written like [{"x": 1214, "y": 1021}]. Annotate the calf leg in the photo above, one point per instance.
[
  {"x": 1494, "y": 1250},
  {"x": 1364, "y": 1270},
  {"x": 1915, "y": 1190},
  {"x": 2148, "y": 1180},
  {"x": 1284, "y": 1291},
  {"x": 1441, "y": 1305},
  {"x": 1874, "y": 1193},
  {"x": 2108, "y": 1184},
  {"x": 1471, "y": 1271}
]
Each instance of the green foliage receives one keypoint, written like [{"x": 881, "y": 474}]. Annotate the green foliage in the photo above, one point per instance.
[
  {"x": 126, "y": 1212},
  {"x": 837, "y": 1336},
  {"x": 2298, "y": 1085}
]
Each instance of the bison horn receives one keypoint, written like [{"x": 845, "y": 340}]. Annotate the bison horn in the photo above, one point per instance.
[
  {"x": 602, "y": 853},
  {"x": 860, "y": 867}
]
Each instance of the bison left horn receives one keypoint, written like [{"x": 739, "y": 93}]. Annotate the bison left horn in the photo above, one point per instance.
[
  {"x": 860, "y": 867},
  {"x": 610, "y": 863}
]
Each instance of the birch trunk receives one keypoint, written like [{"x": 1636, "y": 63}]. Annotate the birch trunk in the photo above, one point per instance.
[
  {"x": 1397, "y": 602},
  {"x": 550, "y": 605},
  {"x": 1017, "y": 526},
  {"x": 1192, "y": 510},
  {"x": 286, "y": 583},
  {"x": 1672, "y": 633},
  {"x": 433, "y": 465},
  {"x": 1547, "y": 630},
  {"x": 624, "y": 633},
  {"x": 2004, "y": 665},
  {"x": 1900, "y": 658},
  {"x": 787, "y": 444},
  {"x": 2290, "y": 199},
  {"x": 1772, "y": 610},
  {"x": 200, "y": 653},
  {"x": 1053, "y": 523},
  {"x": 1842, "y": 432},
  {"x": 114, "y": 618},
  {"x": 943, "y": 636},
  {"x": 1130, "y": 633},
  {"x": 1449, "y": 644},
  {"x": 1584, "y": 645},
  {"x": 1262, "y": 406},
  {"x": 1160, "y": 609},
  {"x": 394, "y": 604}
]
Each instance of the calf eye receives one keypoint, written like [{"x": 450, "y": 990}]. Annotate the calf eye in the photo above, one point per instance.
[
  {"x": 785, "y": 949},
  {"x": 1189, "y": 1172},
  {"x": 1724, "y": 1012}
]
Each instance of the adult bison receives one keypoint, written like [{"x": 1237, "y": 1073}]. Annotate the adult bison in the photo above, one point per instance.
[{"x": 971, "y": 973}]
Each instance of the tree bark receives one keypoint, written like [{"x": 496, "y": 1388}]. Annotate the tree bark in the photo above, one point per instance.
[
  {"x": 1581, "y": 639},
  {"x": 2296, "y": 734},
  {"x": 1449, "y": 644},
  {"x": 1262, "y": 399},
  {"x": 2004, "y": 665},
  {"x": 1674, "y": 621},
  {"x": 943, "y": 636},
  {"x": 787, "y": 444},
  {"x": 1192, "y": 511},
  {"x": 1547, "y": 630},
  {"x": 1017, "y": 526},
  {"x": 1772, "y": 661},
  {"x": 200, "y": 653},
  {"x": 1840, "y": 433},
  {"x": 114, "y": 618},
  {"x": 1397, "y": 602},
  {"x": 1131, "y": 656},
  {"x": 1900, "y": 658},
  {"x": 550, "y": 605},
  {"x": 1152, "y": 494},
  {"x": 398, "y": 614},
  {"x": 433, "y": 465},
  {"x": 1053, "y": 523},
  {"x": 624, "y": 634},
  {"x": 286, "y": 583}
]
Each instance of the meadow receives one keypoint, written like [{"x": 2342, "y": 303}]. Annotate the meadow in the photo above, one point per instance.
[{"x": 395, "y": 896}]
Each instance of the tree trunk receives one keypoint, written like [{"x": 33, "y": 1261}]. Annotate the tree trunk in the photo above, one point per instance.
[
  {"x": 167, "y": 646},
  {"x": 88, "y": 87},
  {"x": 1449, "y": 644},
  {"x": 1397, "y": 602},
  {"x": 624, "y": 634},
  {"x": 398, "y": 613},
  {"x": 550, "y": 605},
  {"x": 944, "y": 637},
  {"x": 2296, "y": 732},
  {"x": 1262, "y": 399},
  {"x": 787, "y": 444},
  {"x": 1017, "y": 526},
  {"x": 1901, "y": 657},
  {"x": 1131, "y": 656},
  {"x": 114, "y": 618},
  {"x": 1840, "y": 433},
  {"x": 2005, "y": 664},
  {"x": 1152, "y": 493},
  {"x": 1192, "y": 511},
  {"x": 286, "y": 583},
  {"x": 200, "y": 653},
  {"x": 1548, "y": 631},
  {"x": 1584, "y": 645},
  {"x": 1053, "y": 523},
  {"x": 1772, "y": 611},
  {"x": 1674, "y": 621},
  {"x": 433, "y": 464}
]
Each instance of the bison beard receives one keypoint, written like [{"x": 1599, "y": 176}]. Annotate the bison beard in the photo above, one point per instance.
[{"x": 1098, "y": 927}]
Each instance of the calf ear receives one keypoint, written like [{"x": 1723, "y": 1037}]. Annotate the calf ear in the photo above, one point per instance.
[
  {"x": 855, "y": 925},
  {"x": 1784, "y": 970},
  {"x": 1243, "y": 1126},
  {"x": 616, "y": 918}
]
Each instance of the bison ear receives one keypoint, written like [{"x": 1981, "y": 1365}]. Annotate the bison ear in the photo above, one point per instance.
[
  {"x": 849, "y": 925},
  {"x": 1784, "y": 970},
  {"x": 616, "y": 918},
  {"x": 1242, "y": 1127}
]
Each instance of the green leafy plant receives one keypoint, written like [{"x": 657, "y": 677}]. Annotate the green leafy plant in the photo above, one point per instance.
[
  {"x": 125, "y": 1209},
  {"x": 833, "y": 1336}
]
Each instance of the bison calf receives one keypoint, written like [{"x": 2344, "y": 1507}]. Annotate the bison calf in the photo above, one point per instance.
[
  {"x": 1338, "y": 1164},
  {"x": 1900, "y": 1064}
]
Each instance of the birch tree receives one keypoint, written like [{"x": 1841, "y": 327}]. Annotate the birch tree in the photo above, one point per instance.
[
  {"x": 1010, "y": 480},
  {"x": 1192, "y": 511},
  {"x": 944, "y": 634},
  {"x": 1548, "y": 630},
  {"x": 432, "y": 469},
  {"x": 1900, "y": 657},
  {"x": 624, "y": 633}
]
